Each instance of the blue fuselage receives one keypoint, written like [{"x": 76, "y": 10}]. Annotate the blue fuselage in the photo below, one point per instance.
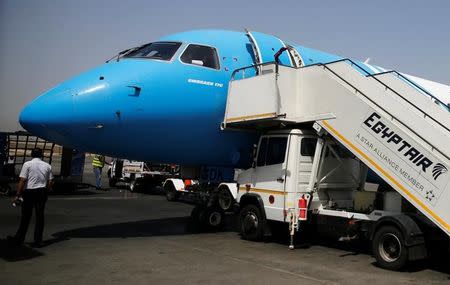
[{"x": 165, "y": 111}]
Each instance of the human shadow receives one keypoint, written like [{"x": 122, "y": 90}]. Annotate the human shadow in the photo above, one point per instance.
[{"x": 14, "y": 253}]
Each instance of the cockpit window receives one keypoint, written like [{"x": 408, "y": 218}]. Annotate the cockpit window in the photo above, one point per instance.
[
  {"x": 201, "y": 55},
  {"x": 157, "y": 50}
]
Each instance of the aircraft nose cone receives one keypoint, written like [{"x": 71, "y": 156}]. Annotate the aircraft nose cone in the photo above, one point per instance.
[{"x": 43, "y": 116}]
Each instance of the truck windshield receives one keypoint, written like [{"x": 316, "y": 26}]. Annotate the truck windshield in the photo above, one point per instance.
[{"x": 157, "y": 50}]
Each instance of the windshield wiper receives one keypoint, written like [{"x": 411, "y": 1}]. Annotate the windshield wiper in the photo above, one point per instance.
[{"x": 122, "y": 53}]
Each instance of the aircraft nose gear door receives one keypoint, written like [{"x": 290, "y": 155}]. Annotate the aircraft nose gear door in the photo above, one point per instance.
[{"x": 266, "y": 46}]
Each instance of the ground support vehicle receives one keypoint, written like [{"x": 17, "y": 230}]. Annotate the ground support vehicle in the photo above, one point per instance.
[
  {"x": 211, "y": 202},
  {"x": 138, "y": 173},
  {"x": 324, "y": 127}
]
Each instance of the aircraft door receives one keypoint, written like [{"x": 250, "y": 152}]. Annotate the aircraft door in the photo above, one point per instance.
[{"x": 266, "y": 46}]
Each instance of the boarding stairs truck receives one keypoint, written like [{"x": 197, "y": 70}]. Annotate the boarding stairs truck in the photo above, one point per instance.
[{"x": 325, "y": 129}]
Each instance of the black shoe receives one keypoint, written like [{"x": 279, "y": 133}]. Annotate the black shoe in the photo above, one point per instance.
[
  {"x": 37, "y": 245},
  {"x": 13, "y": 241}
]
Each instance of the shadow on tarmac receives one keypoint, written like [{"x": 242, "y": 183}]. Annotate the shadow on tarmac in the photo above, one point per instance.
[
  {"x": 17, "y": 253},
  {"x": 184, "y": 226},
  {"x": 146, "y": 228}
]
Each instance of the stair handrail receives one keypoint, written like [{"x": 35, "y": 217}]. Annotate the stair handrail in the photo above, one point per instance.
[
  {"x": 368, "y": 98},
  {"x": 325, "y": 65},
  {"x": 368, "y": 74},
  {"x": 442, "y": 104},
  {"x": 386, "y": 86}
]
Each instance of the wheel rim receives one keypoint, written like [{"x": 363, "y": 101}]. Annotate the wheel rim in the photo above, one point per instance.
[
  {"x": 215, "y": 219},
  {"x": 250, "y": 223},
  {"x": 225, "y": 200},
  {"x": 390, "y": 247}
]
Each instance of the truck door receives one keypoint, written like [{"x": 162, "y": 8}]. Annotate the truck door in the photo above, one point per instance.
[
  {"x": 270, "y": 174},
  {"x": 305, "y": 162}
]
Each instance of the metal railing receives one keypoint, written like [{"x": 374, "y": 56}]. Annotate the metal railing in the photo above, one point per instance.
[
  {"x": 368, "y": 74},
  {"x": 415, "y": 85}
]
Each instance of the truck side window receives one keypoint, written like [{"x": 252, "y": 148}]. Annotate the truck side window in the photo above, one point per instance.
[
  {"x": 308, "y": 146},
  {"x": 276, "y": 150},
  {"x": 272, "y": 150},
  {"x": 261, "y": 160}
]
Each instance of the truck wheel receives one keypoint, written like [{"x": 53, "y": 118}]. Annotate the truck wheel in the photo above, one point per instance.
[
  {"x": 132, "y": 185},
  {"x": 251, "y": 223},
  {"x": 171, "y": 192},
  {"x": 388, "y": 246},
  {"x": 212, "y": 217},
  {"x": 196, "y": 213},
  {"x": 112, "y": 182},
  {"x": 225, "y": 199}
]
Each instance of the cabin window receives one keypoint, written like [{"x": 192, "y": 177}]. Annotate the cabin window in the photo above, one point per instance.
[
  {"x": 308, "y": 146},
  {"x": 157, "y": 50},
  {"x": 272, "y": 150},
  {"x": 201, "y": 55}
]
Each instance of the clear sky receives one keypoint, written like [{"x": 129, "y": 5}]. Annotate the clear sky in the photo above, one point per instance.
[{"x": 45, "y": 42}]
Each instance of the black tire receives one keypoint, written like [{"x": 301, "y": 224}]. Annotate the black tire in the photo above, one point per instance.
[
  {"x": 196, "y": 213},
  {"x": 171, "y": 193},
  {"x": 251, "y": 223},
  {"x": 389, "y": 248},
  {"x": 112, "y": 182},
  {"x": 225, "y": 199},
  {"x": 5, "y": 189},
  {"x": 132, "y": 186},
  {"x": 212, "y": 218}
]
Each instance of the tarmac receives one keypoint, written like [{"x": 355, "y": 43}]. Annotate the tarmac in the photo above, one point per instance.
[{"x": 119, "y": 237}]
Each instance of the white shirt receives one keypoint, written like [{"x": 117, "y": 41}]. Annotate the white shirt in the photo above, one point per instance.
[{"x": 37, "y": 173}]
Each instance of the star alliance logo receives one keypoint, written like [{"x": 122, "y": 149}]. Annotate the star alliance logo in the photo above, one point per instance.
[{"x": 438, "y": 169}]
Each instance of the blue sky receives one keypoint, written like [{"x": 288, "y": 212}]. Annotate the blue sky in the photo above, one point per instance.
[{"x": 45, "y": 42}]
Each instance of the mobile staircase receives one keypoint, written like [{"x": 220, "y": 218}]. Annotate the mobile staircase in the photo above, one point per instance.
[{"x": 396, "y": 128}]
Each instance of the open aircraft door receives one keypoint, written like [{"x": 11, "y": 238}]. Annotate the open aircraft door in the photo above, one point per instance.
[{"x": 266, "y": 46}]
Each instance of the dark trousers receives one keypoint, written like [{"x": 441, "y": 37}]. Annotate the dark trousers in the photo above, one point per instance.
[{"x": 32, "y": 198}]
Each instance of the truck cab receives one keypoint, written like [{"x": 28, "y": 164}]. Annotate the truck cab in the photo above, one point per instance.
[{"x": 294, "y": 163}]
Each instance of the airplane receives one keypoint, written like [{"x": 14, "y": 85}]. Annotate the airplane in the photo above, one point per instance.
[{"x": 164, "y": 101}]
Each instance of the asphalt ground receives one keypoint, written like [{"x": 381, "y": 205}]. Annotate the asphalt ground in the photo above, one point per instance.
[{"x": 118, "y": 237}]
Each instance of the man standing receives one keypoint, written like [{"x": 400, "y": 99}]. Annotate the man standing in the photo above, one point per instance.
[
  {"x": 36, "y": 179},
  {"x": 97, "y": 165}
]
